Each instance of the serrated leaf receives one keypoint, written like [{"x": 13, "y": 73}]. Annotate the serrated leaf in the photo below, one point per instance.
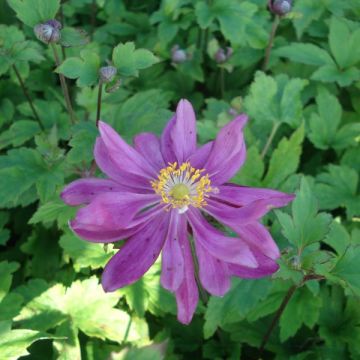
[
  {"x": 35, "y": 11},
  {"x": 339, "y": 36},
  {"x": 285, "y": 159},
  {"x": 71, "y": 37},
  {"x": 6, "y": 271},
  {"x": 338, "y": 188},
  {"x": 306, "y": 226},
  {"x": 85, "y": 69},
  {"x": 129, "y": 61}
]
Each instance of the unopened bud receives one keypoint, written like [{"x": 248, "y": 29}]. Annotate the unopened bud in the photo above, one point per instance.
[
  {"x": 280, "y": 7},
  {"x": 178, "y": 55},
  {"x": 48, "y": 32},
  {"x": 107, "y": 73},
  {"x": 222, "y": 56}
]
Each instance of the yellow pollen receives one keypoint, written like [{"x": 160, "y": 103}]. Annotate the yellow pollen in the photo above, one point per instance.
[{"x": 181, "y": 186}]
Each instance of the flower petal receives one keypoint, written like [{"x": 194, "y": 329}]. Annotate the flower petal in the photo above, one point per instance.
[
  {"x": 136, "y": 256},
  {"x": 111, "y": 169},
  {"x": 200, "y": 156},
  {"x": 228, "y": 152},
  {"x": 243, "y": 195},
  {"x": 187, "y": 295},
  {"x": 228, "y": 249},
  {"x": 123, "y": 155},
  {"x": 172, "y": 273},
  {"x": 166, "y": 142},
  {"x": 213, "y": 273},
  {"x": 266, "y": 267},
  {"x": 148, "y": 145},
  {"x": 99, "y": 234},
  {"x": 83, "y": 191}
]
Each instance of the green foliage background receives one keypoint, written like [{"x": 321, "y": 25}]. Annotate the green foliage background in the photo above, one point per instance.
[{"x": 303, "y": 137}]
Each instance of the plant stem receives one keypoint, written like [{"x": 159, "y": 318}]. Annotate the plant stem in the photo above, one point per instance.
[
  {"x": 270, "y": 139},
  {"x": 274, "y": 27},
  {"x": 203, "y": 294},
  {"x": 276, "y": 318},
  {"x": 26, "y": 93},
  {"x": 98, "y": 111},
  {"x": 64, "y": 86}
]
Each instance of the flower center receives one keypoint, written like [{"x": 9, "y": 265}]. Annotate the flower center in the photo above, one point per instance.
[{"x": 181, "y": 186}]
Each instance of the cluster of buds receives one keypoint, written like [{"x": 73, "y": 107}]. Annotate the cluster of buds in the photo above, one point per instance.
[
  {"x": 48, "y": 32},
  {"x": 280, "y": 7},
  {"x": 107, "y": 73},
  {"x": 178, "y": 55},
  {"x": 223, "y": 55}
]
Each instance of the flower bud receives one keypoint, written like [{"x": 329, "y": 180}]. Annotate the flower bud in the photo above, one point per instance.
[
  {"x": 280, "y": 7},
  {"x": 48, "y": 32},
  {"x": 107, "y": 73},
  {"x": 178, "y": 55},
  {"x": 222, "y": 56}
]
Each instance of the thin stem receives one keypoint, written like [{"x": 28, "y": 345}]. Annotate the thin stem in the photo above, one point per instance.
[
  {"x": 222, "y": 82},
  {"x": 270, "y": 139},
  {"x": 98, "y": 111},
  {"x": 64, "y": 86},
  {"x": 274, "y": 27},
  {"x": 26, "y": 93},
  {"x": 127, "y": 331},
  {"x": 276, "y": 318},
  {"x": 203, "y": 294}
]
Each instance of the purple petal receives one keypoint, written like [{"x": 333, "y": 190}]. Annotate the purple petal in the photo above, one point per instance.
[
  {"x": 187, "y": 295},
  {"x": 123, "y": 155},
  {"x": 83, "y": 191},
  {"x": 148, "y": 145},
  {"x": 111, "y": 169},
  {"x": 110, "y": 212},
  {"x": 166, "y": 142},
  {"x": 183, "y": 134},
  {"x": 213, "y": 272},
  {"x": 266, "y": 267},
  {"x": 242, "y": 195},
  {"x": 228, "y": 249},
  {"x": 200, "y": 156},
  {"x": 172, "y": 273},
  {"x": 258, "y": 237},
  {"x": 136, "y": 256},
  {"x": 98, "y": 234},
  {"x": 228, "y": 152}
]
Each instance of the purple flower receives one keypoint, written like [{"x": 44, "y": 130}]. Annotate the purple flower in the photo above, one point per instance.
[
  {"x": 156, "y": 195},
  {"x": 280, "y": 7}
]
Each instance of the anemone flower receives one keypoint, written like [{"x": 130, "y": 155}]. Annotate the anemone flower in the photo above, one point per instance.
[{"x": 163, "y": 195}]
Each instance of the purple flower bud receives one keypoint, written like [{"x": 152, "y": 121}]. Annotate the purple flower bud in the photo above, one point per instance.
[
  {"x": 232, "y": 112},
  {"x": 222, "y": 56},
  {"x": 54, "y": 23},
  {"x": 178, "y": 55},
  {"x": 48, "y": 33},
  {"x": 107, "y": 73},
  {"x": 280, "y": 7}
]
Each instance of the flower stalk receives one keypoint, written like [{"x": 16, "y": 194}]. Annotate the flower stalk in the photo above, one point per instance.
[
  {"x": 27, "y": 95},
  {"x": 64, "y": 86},
  {"x": 98, "y": 110},
  {"x": 274, "y": 27},
  {"x": 270, "y": 139}
]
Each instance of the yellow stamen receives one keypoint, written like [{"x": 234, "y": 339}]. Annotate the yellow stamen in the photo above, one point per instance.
[{"x": 181, "y": 186}]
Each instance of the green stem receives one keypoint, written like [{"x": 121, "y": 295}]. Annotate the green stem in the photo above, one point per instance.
[
  {"x": 203, "y": 295},
  {"x": 27, "y": 95},
  {"x": 127, "y": 331},
  {"x": 270, "y": 139},
  {"x": 64, "y": 86},
  {"x": 98, "y": 111},
  {"x": 274, "y": 27}
]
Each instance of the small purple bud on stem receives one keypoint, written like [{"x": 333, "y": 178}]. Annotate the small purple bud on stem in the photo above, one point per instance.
[
  {"x": 178, "y": 55},
  {"x": 107, "y": 73},
  {"x": 280, "y": 7},
  {"x": 222, "y": 56},
  {"x": 49, "y": 32}
]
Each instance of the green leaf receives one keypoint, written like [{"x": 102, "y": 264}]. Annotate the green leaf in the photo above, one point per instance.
[
  {"x": 304, "y": 53},
  {"x": 69, "y": 347},
  {"x": 306, "y": 226},
  {"x": 85, "y": 254},
  {"x": 13, "y": 343},
  {"x": 338, "y": 188},
  {"x": 6, "y": 271},
  {"x": 339, "y": 41},
  {"x": 129, "y": 61},
  {"x": 285, "y": 159},
  {"x": 85, "y": 69},
  {"x": 18, "y": 133},
  {"x": 331, "y": 73},
  {"x": 71, "y": 37},
  {"x": 35, "y": 11},
  {"x": 234, "y": 306},
  {"x": 303, "y": 308}
]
